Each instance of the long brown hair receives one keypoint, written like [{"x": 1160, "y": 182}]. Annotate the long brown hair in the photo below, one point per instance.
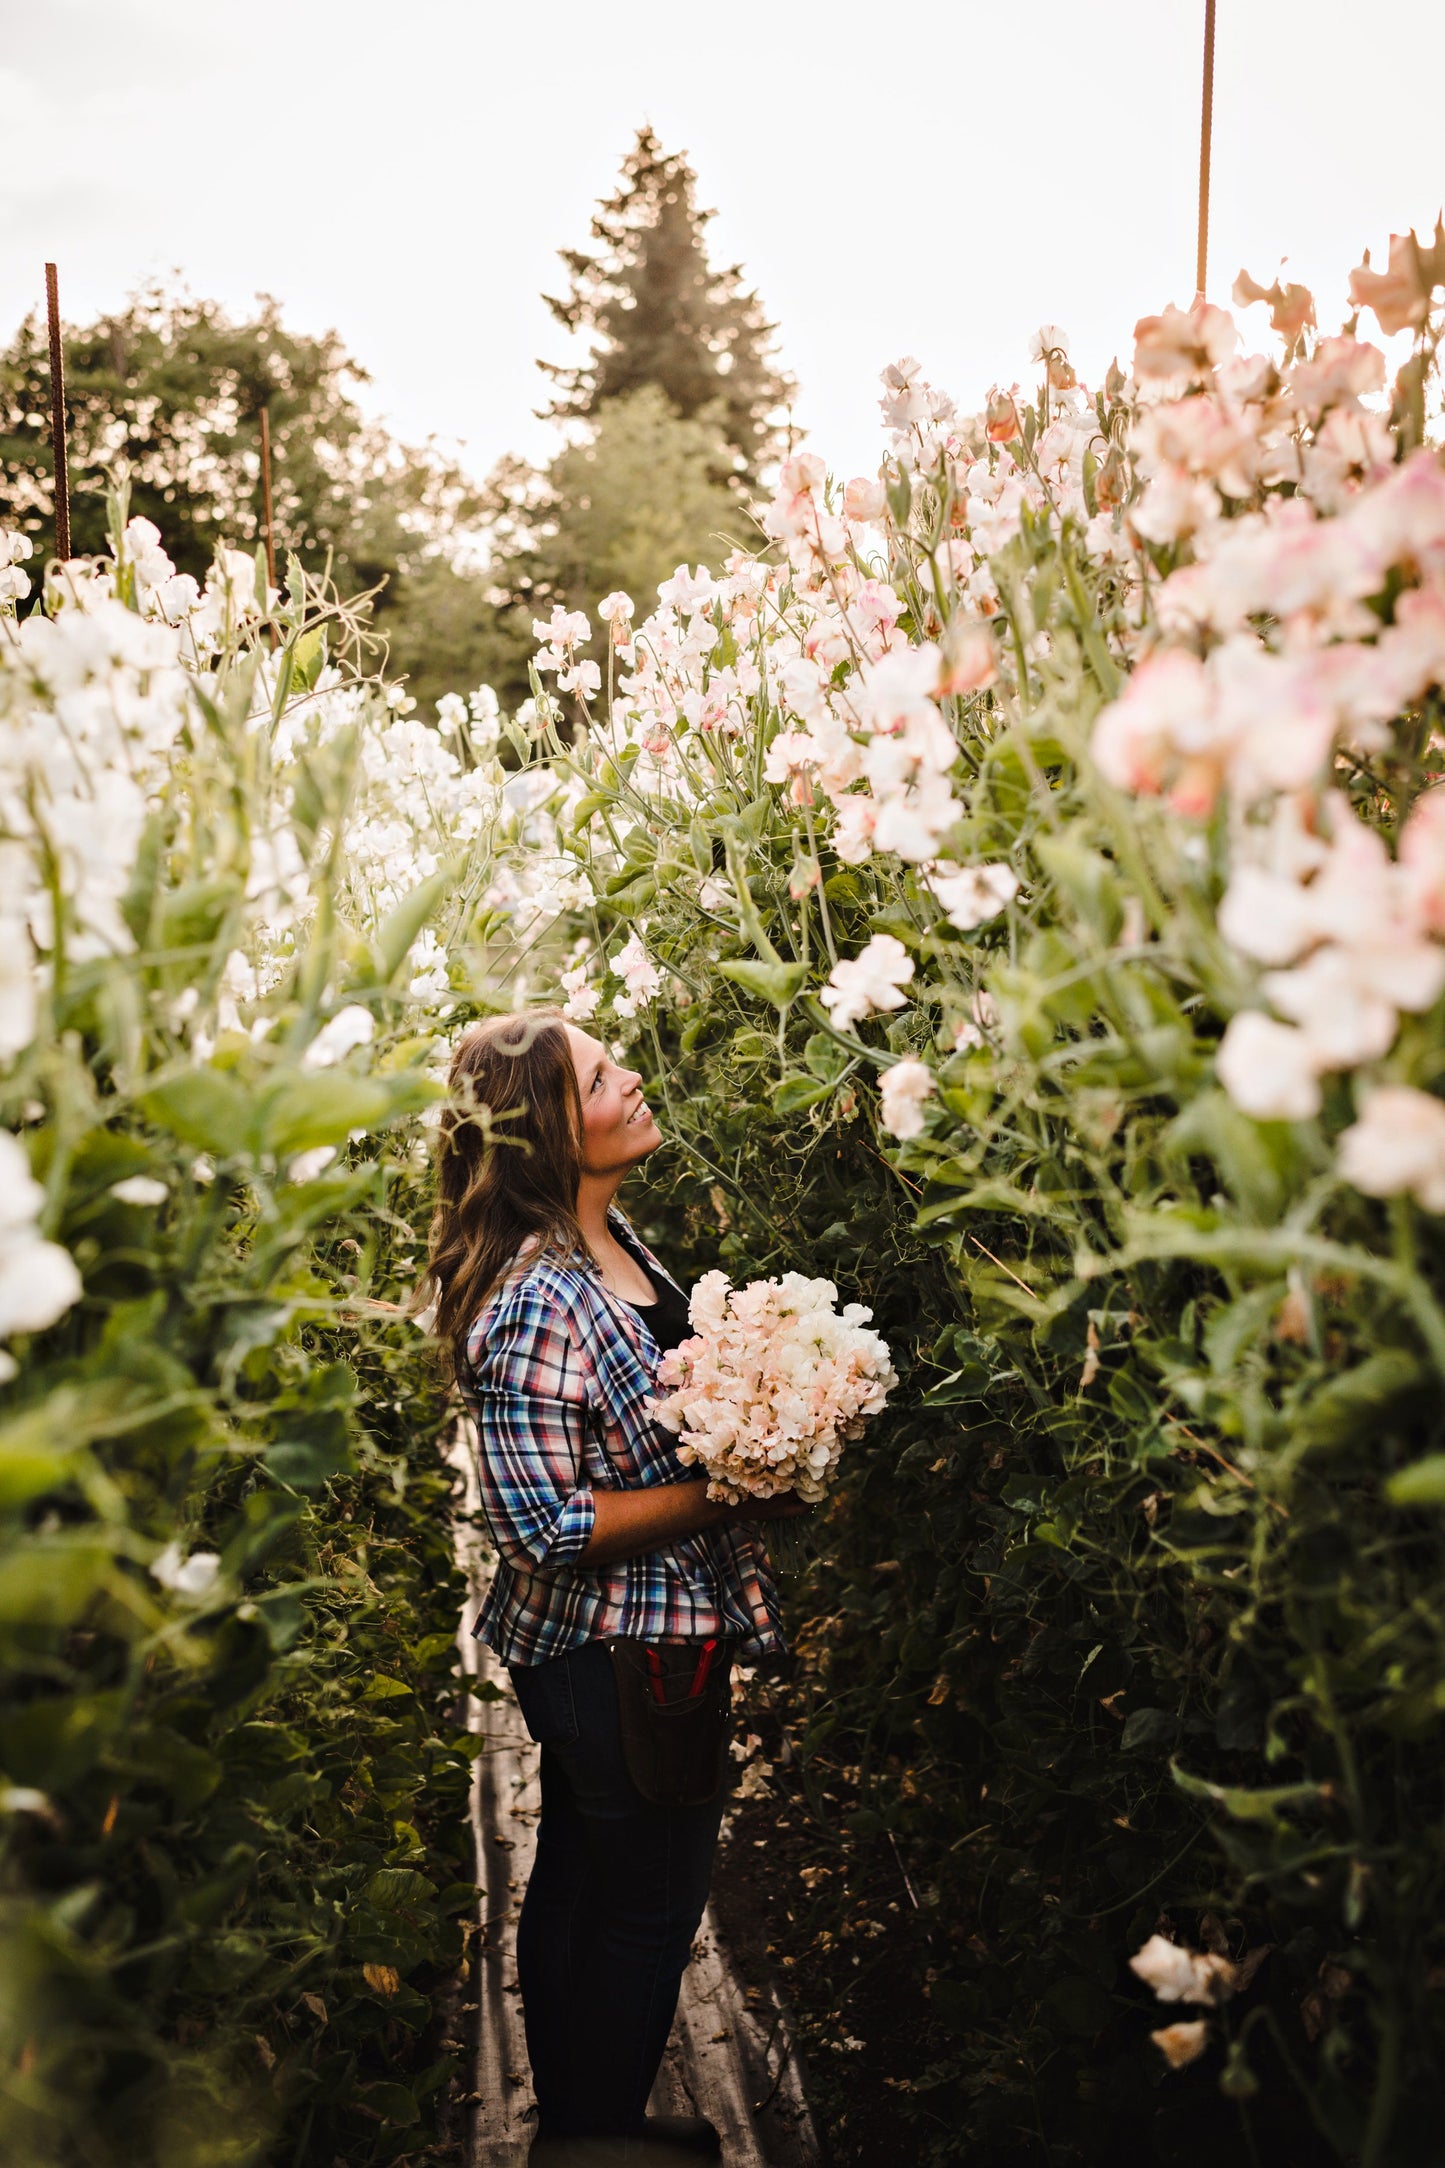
[{"x": 508, "y": 1164}]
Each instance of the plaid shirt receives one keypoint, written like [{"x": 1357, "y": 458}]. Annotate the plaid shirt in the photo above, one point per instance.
[{"x": 559, "y": 1375}]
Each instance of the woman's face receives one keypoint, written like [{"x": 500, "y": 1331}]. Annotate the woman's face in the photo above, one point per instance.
[{"x": 617, "y": 1125}]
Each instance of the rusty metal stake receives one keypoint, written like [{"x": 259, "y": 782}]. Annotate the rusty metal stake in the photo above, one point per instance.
[
  {"x": 57, "y": 416},
  {"x": 1206, "y": 133},
  {"x": 269, "y": 528}
]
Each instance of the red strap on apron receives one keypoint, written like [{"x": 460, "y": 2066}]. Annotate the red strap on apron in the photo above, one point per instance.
[
  {"x": 704, "y": 1666},
  {"x": 654, "y": 1667}
]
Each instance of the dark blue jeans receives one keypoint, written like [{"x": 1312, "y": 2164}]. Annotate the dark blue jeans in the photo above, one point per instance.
[{"x": 615, "y": 1896}]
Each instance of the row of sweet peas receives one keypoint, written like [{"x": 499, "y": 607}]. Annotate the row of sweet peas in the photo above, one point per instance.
[
  {"x": 110, "y": 700},
  {"x": 1269, "y": 496},
  {"x": 1288, "y": 629}
]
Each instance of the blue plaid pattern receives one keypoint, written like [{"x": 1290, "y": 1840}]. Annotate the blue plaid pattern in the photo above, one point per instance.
[{"x": 558, "y": 1377}]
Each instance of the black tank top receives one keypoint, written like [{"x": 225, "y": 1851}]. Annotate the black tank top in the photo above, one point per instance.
[{"x": 667, "y": 1319}]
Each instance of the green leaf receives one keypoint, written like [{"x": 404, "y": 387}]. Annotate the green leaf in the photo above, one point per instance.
[
  {"x": 391, "y": 2104},
  {"x": 1086, "y": 879},
  {"x": 1353, "y": 1406},
  {"x": 399, "y": 929},
  {"x": 826, "y": 1058},
  {"x": 778, "y": 983},
  {"x": 1245, "y": 1805},
  {"x": 1421, "y": 1484},
  {"x": 395, "y": 1888},
  {"x": 308, "y": 657},
  {"x": 797, "y": 1092},
  {"x": 204, "y": 1108},
  {"x": 382, "y": 1688},
  {"x": 301, "y": 1111}
]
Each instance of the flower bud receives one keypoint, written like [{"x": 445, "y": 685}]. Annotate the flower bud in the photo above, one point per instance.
[{"x": 1001, "y": 418}]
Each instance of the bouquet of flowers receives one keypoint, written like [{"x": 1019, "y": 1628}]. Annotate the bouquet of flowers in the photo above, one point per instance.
[{"x": 773, "y": 1382}]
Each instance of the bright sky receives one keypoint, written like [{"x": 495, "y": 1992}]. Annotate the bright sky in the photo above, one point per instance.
[{"x": 934, "y": 180}]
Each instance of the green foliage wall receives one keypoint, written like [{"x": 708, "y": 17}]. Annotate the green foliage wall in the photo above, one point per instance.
[{"x": 234, "y": 1763}]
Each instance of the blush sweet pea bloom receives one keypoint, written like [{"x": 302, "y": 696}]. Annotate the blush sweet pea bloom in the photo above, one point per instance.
[
  {"x": 1398, "y": 1146},
  {"x": 869, "y": 983},
  {"x": 639, "y": 975},
  {"x": 773, "y": 1382},
  {"x": 970, "y": 895},
  {"x": 1177, "y": 1974},
  {"x": 1268, "y": 1069},
  {"x": 905, "y": 1090}
]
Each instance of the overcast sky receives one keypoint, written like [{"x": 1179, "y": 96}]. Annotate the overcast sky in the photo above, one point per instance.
[{"x": 936, "y": 178}]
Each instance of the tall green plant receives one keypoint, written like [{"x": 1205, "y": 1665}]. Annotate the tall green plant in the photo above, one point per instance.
[
  {"x": 233, "y": 1851},
  {"x": 1029, "y": 886}
]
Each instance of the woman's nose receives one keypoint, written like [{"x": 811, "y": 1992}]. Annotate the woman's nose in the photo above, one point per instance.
[{"x": 632, "y": 1079}]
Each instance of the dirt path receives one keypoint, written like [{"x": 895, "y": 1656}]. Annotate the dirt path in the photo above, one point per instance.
[{"x": 730, "y": 2056}]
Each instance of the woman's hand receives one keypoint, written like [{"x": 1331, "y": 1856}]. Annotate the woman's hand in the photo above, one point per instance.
[{"x": 786, "y": 1506}]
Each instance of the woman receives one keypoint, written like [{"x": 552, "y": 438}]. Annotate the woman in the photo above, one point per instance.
[{"x": 558, "y": 1316}]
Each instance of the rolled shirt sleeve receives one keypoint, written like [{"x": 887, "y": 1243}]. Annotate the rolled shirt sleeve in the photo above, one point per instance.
[{"x": 532, "y": 1415}]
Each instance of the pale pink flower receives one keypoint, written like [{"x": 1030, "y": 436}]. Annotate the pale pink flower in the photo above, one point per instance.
[
  {"x": 1183, "y": 343},
  {"x": 1268, "y": 1069},
  {"x": 1397, "y": 1145},
  {"x": 1422, "y": 856},
  {"x": 864, "y": 500},
  {"x": 582, "y": 1000},
  {"x": 688, "y": 591},
  {"x": 1400, "y": 295},
  {"x": 1340, "y": 371},
  {"x": 905, "y": 1089},
  {"x": 1177, "y": 1974},
  {"x": 772, "y": 1383},
  {"x": 868, "y": 983},
  {"x": 971, "y": 894},
  {"x": 1183, "y": 2043},
  {"x": 639, "y": 975},
  {"x": 1174, "y": 505}
]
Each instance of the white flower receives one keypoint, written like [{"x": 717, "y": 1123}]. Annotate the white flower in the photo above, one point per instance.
[
  {"x": 451, "y": 713},
  {"x": 971, "y": 894},
  {"x": 582, "y": 1000},
  {"x": 639, "y": 975},
  {"x": 904, "y": 1090},
  {"x": 1268, "y": 1069},
  {"x": 140, "y": 1189},
  {"x": 615, "y": 609},
  {"x": 38, "y": 1279},
  {"x": 1398, "y": 1145},
  {"x": 350, "y": 1027},
  {"x": 1048, "y": 339},
  {"x": 486, "y": 715},
  {"x": 869, "y": 983},
  {"x": 18, "y": 1008},
  {"x": 194, "y": 1576},
  {"x": 307, "y": 1165}
]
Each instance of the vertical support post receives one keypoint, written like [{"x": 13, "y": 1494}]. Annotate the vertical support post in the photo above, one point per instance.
[
  {"x": 57, "y": 415},
  {"x": 1206, "y": 132},
  {"x": 268, "y": 528}
]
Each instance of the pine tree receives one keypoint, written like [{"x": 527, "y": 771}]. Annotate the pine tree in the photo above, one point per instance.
[{"x": 661, "y": 315}]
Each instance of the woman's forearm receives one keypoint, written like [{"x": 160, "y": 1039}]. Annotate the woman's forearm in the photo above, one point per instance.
[{"x": 627, "y": 1522}]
